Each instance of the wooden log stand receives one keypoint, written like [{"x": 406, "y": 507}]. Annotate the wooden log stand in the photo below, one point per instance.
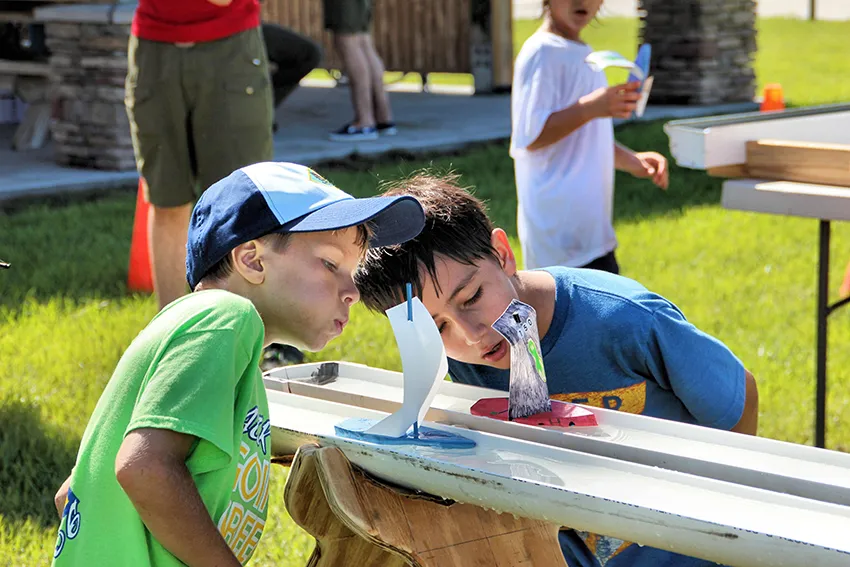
[{"x": 358, "y": 520}]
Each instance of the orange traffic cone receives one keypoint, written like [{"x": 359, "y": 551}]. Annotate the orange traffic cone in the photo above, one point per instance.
[
  {"x": 773, "y": 99},
  {"x": 139, "y": 276}
]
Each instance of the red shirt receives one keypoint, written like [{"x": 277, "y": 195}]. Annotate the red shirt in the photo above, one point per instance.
[{"x": 187, "y": 21}]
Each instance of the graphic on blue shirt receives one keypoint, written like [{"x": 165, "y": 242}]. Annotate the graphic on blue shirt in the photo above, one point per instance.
[
  {"x": 602, "y": 547},
  {"x": 631, "y": 399}
]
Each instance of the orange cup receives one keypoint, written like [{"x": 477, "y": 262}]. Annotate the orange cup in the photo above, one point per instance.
[{"x": 773, "y": 98}]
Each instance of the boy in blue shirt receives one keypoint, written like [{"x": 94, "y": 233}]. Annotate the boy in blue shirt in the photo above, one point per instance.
[{"x": 606, "y": 340}]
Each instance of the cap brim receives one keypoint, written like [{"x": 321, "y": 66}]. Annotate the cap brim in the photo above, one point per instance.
[{"x": 395, "y": 219}]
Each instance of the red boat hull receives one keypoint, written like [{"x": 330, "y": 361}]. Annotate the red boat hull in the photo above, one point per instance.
[{"x": 563, "y": 414}]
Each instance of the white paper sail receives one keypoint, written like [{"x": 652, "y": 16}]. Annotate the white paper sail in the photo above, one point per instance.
[
  {"x": 424, "y": 365},
  {"x": 601, "y": 60}
]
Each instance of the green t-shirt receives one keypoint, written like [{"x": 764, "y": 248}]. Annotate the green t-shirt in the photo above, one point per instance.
[{"x": 195, "y": 370}]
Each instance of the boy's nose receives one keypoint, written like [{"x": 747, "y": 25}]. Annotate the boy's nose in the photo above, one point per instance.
[
  {"x": 472, "y": 332},
  {"x": 350, "y": 293}
]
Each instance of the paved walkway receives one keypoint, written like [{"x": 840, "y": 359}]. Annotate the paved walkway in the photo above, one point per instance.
[
  {"x": 427, "y": 122},
  {"x": 825, "y": 9}
]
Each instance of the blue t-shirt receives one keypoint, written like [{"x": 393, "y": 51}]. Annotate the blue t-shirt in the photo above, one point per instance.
[{"x": 614, "y": 344}]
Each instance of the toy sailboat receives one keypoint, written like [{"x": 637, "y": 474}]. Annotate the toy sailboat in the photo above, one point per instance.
[{"x": 424, "y": 365}]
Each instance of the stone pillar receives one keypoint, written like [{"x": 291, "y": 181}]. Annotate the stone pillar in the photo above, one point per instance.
[
  {"x": 88, "y": 44},
  {"x": 702, "y": 50}
]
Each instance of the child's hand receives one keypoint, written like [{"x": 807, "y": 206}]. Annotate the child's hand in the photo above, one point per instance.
[
  {"x": 652, "y": 165},
  {"x": 61, "y": 496},
  {"x": 617, "y": 102}
]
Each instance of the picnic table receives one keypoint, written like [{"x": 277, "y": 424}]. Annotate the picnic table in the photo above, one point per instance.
[
  {"x": 28, "y": 80},
  {"x": 826, "y": 203},
  {"x": 793, "y": 162}
]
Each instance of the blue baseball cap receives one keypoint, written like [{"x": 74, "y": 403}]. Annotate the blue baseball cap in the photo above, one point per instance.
[{"x": 286, "y": 197}]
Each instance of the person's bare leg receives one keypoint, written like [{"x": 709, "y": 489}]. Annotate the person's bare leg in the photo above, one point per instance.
[
  {"x": 357, "y": 66},
  {"x": 167, "y": 231},
  {"x": 380, "y": 99}
]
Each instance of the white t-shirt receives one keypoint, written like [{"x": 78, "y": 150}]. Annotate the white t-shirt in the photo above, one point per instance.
[{"x": 565, "y": 191}]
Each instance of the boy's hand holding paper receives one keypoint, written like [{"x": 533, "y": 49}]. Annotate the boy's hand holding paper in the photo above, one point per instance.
[
  {"x": 638, "y": 73},
  {"x": 617, "y": 102}
]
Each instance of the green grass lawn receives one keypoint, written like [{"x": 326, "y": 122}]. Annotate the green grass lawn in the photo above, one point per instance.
[
  {"x": 748, "y": 279},
  {"x": 803, "y": 56}
]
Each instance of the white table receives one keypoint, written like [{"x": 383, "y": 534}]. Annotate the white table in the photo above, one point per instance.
[{"x": 823, "y": 202}]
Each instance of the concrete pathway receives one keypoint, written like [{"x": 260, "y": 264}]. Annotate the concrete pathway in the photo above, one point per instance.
[{"x": 426, "y": 122}]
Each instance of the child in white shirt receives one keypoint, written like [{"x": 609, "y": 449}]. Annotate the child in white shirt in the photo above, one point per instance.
[{"x": 563, "y": 144}]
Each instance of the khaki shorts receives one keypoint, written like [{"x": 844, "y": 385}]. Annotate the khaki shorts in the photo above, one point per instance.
[
  {"x": 348, "y": 16},
  {"x": 197, "y": 113}
]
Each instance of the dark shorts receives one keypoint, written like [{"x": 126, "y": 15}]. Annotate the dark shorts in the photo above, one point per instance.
[
  {"x": 197, "y": 113},
  {"x": 347, "y": 16},
  {"x": 606, "y": 263}
]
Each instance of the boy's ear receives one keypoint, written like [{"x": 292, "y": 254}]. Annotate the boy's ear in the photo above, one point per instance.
[
  {"x": 248, "y": 261},
  {"x": 504, "y": 252}
]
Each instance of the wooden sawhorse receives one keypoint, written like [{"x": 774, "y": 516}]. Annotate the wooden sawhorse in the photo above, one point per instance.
[{"x": 360, "y": 521}]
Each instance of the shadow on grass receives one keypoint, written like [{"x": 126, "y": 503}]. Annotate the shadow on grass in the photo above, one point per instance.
[
  {"x": 68, "y": 248},
  {"x": 35, "y": 458}
]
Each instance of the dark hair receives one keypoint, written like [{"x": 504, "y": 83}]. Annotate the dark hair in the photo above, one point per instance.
[
  {"x": 456, "y": 228},
  {"x": 278, "y": 242}
]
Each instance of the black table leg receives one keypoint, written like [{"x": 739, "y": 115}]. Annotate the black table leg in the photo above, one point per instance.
[{"x": 823, "y": 313}]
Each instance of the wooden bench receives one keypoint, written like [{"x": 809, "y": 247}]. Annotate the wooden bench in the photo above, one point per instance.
[{"x": 29, "y": 81}]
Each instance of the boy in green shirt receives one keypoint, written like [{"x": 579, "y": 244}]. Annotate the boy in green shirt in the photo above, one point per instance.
[{"x": 174, "y": 464}]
